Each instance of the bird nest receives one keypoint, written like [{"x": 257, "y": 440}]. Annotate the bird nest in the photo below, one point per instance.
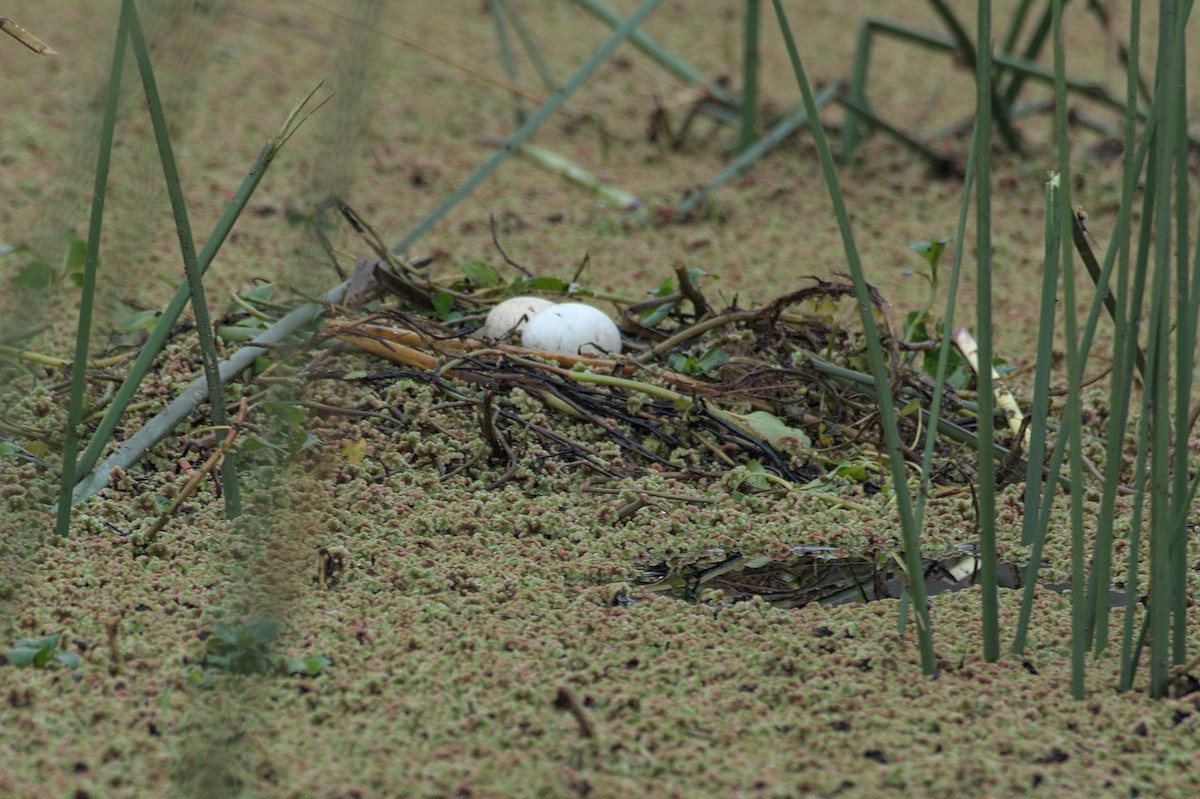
[{"x": 781, "y": 389}]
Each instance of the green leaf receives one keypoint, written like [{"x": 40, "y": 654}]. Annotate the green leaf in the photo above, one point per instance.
[
  {"x": 680, "y": 362},
  {"x": 481, "y": 274},
  {"x": 443, "y": 305},
  {"x": 288, "y": 414},
  {"x": 303, "y": 442},
  {"x": 695, "y": 273},
  {"x": 754, "y": 471},
  {"x": 655, "y": 314},
  {"x": 931, "y": 251},
  {"x": 21, "y": 657},
  {"x": 695, "y": 367},
  {"x": 33, "y": 652},
  {"x": 75, "y": 256},
  {"x": 36, "y": 275},
  {"x": 309, "y": 666},
  {"x": 665, "y": 289},
  {"x": 262, "y": 631},
  {"x": 45, "y": 651},
  {"x": 711, "y": 359},
  {"x": 68, "y": 659},
  {"x": 853, "y": 470},
  {"x": 263, "y": 292},
  {"x": 251, "y": 444},
  {"x": 8, "y": 449},
  {"x": 540, "y": 284},
  {"x": 225, "y": 633},
  {"x": 770, "y": 427},
  {"x": 913, "y": 406},
  {"x": 916, "y": 326},
  {"x": 142, "y": 320}
]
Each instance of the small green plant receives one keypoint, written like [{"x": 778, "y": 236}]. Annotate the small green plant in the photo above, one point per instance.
[
  {"x": 284, "y": 433},
  {"x": 39, "y": 652},
  {"x": 247, "y": 650},
  {"x": 698, "y": 365},
  {"x": 657, "y": 312},
  {"x": 932, "y": 251},
  {"x": 39, "y": 274}
]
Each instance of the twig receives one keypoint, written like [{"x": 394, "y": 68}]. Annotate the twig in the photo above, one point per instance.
[
  {"x": 161, "y": 425},
  {"x": 566, "y": 701},
  {"x": 691, "y": 291},
  {"x": 25, "y": 37},
  {"x": 193, "y": 482},
  {"x": 503, "y": 254}
]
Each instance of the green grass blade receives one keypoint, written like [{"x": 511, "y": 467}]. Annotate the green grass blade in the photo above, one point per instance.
[
  {"x": 1033, "y": 529},
  {"x": 943, "y": 364},
  {"x": 1131, "y": 648},
  {"x": 1160, "y": 601},
  {"x": 984, "y": 94},
  {"x": 186, "y": 402},
  {"x": 1070, "y": 433},
  {"x": 1123, "y": 344},
  {"x": 170, "y": 314},
  {"x": 887, "y": 409},
  {"x": 1184, "y": 349},
  {"x": 87, "y": 296},
  {"x": 188, "y": 250}
]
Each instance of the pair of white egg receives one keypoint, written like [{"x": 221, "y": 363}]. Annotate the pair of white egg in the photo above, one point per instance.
[{"x": 570, "y": 327}]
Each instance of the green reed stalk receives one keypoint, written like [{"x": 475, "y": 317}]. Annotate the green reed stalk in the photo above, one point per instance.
[
  {"x": 1071, "y": 433},
  {"x": 943, "y": 364},
  {"x": 1037, "y": 509},
  {"x": 972, "y": 55},
  {"x": 1157, "y": 387},
  {"x": 1185, "y": 345},
  {"x": 531, "y": 48},
  {"x": 88, "y": 288},
  {"x": 187, "y": 247},
  {"x": 749, "y": 107},
  {"x": 1124, "y": 345},
  {"x": 171, "y": 313},
  {"x": 626, "y": 29},
  {"x": 1031, "y": 52},
  {"x": 507, "y": 57},
  {"x": 1033, "y": 529},
  {"x": 668, "y": 60},
  {"x": 887, "y": 409},
  {"x": 1130, "y": 649},
  {"x": 984, "y": 95}
]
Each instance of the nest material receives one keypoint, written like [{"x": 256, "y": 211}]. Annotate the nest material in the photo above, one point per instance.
[
  {"x": 769, "y": 407},
  {"x": 776, "y": 405}
]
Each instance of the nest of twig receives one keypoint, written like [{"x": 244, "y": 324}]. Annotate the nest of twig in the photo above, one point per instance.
[{"x": 787, "y": 397}]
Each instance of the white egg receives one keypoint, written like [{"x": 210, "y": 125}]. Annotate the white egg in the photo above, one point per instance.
[
  {"x": 512, "y": 314},
  {"x": 573, "y": 328}
]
